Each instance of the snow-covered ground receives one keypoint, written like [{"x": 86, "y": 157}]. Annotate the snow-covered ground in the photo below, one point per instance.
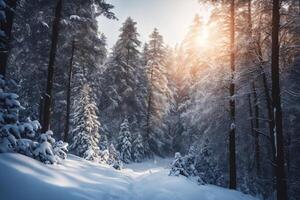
[{"x": 22, "y": 178}]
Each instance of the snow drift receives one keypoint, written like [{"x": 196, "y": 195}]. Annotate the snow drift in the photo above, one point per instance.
[{"x": 76, "y": 179}]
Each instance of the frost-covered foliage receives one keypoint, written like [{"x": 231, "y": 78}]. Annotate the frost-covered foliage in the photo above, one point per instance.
[
  {"x": 138, "y": 150},
  {"x": 185, "y": 166},
  {"x": 48, "y": 150},
  {"x": 24, "y": 137},
  {"x": 85, "y": 134},
  {"x": 114, "y": 158},
  {"x": 124, "y": 142},
  {"x": 103, "y": 144},
  {"x": 198, "y": 167},
  {"x": 207, "y": 166},
  {"x": 111, "y": 157}
]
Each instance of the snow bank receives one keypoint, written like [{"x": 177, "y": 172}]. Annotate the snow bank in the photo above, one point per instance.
[{"x": 76, "y": 179}]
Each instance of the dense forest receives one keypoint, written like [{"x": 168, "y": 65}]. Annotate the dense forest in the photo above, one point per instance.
[{"x": 226, "y": 99}]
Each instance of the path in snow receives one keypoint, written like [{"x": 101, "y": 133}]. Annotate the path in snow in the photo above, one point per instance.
[{"x": 22, "y": 178}]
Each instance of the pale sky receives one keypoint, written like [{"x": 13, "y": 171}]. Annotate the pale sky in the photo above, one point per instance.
[{"x": 171, "y": 17}]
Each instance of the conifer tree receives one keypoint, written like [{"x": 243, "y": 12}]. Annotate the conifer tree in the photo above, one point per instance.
[
  {"x": 145, "y": 54},
  {"x": 159, "y": 95},
  {"x": 125, "y": 78},
  {"x": 124, "y": 142},
  {"x": 138, "y": 150},
  {"x": 86, "y": 126}
]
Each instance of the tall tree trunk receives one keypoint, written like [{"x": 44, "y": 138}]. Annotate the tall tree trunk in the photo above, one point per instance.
[
  {"x": 232, "y": 149},
  {"x": 67, "y": 123},
  {"x": 281, "y": 184},
  {"x": 288, "y": 157},
  {"x": 7, "y": 28},
  {"x": 267, "y": 98},
  {"x": 268, "y": 103},
  {"x": 251, "y": 115},
  {"x": 48, "y": 92},
  {"x": 270, "y": 113},
  {"x": 256, "y": 113}
]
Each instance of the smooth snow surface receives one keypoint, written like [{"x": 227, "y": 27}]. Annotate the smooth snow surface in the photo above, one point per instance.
[{"x": 22, "y": 178}]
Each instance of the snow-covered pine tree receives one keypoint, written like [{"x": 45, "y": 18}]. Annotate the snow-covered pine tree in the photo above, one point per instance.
[
  {"x": 206, "y": 164},
  {"x": 102, "y": 49},
  {"x": 103, "y": 145},
  {"x": 110, "y": 156},
  {"x": 185, "y": 166},
  {"x": 124, "y": 83},
  {"x": 138, "y": 150},
  {"x": 9, "y": 119},
  {"x": 125, "y": 142},
  {"x": 159, "y": 96},
  {"x": 23, "y": 137},
  {"x": 49, "y": 151},
  {"x": 114, "y": 158},
  {"x": 86, "y": 126},
  {"x": 145, "y": 54}
]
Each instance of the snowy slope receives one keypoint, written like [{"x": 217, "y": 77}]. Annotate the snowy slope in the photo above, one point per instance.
[{"x": 23, "y": 178}]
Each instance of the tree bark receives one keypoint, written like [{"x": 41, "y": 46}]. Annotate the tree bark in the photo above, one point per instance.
[
  {"x": 257, "y": 126},
  {"x": 281, "y": 184},
  {"x": 251, "y": 115},
  {"x": 270, "y": 113},
  {"x": 67, "y": 123},
  {"x": 48, "y": 92},
  {"x": 7, "y": 28},
  {"x": 268, "y": 103},
  {"x": 232, "y": 148}
]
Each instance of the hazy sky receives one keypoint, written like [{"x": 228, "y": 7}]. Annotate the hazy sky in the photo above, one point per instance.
[{"x": 171, "y": 17}]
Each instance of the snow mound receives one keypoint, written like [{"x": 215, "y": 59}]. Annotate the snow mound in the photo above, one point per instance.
[{"x": 76, "y": 179}]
